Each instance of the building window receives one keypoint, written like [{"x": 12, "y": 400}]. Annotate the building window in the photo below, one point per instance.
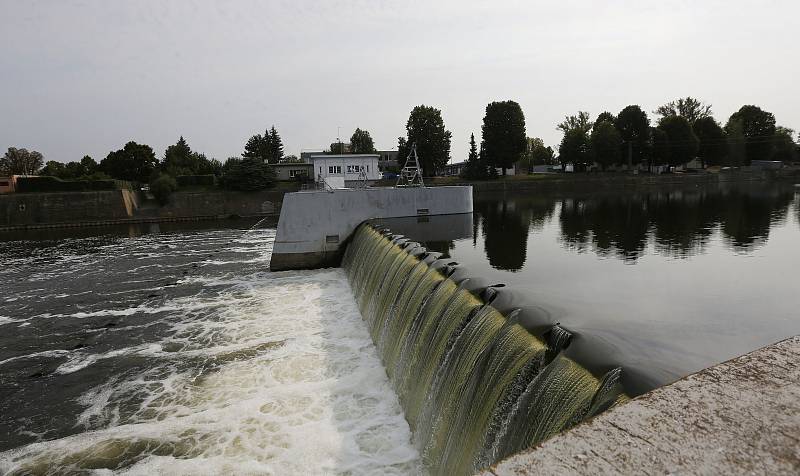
[
  {"x": 367, "y": 168},
  {"x": 334, "y": 169},
  {"x": 296, "y": 173},
  {"x": 354, "y": 169}
]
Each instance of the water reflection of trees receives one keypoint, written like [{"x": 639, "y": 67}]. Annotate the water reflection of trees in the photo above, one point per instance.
[
  {"x": 505, "y": 225},
  {"x": 678, "y": 223}
]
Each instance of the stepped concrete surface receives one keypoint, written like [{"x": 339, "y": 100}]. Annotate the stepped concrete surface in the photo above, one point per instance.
[{"x": 738, "y": 417}]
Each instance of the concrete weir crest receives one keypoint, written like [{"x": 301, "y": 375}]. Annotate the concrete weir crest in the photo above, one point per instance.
[{"x": 314, "y": 226}]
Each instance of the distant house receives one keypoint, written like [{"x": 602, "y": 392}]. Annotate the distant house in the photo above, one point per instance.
[
  {"x": 292, "y": 171},
  {"x": 387, "y": 160},
  {"x": 343, "y": 170},
  {"x": 8, "y": 184},
  {"x": 455, "y": 169}
]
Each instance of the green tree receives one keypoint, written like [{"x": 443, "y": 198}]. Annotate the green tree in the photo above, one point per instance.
[
  {"x": 574, "y": 148},
  {"x": 162, "y": 187},
  {"x": 337, "y": 148},
  {"x": 683, "y": 143},
  {"x": 426, "y": 129},
  {"x": 689, "y": 108},
  {"x": 581, "y": 121},
  {"x": 713, "y": 145},
  {"x": 537, "y": 154},
  {"x": 634, "y": 127},
  {"x": 179, "y": 159},
  {"x": 605, "y": 116},
  {"x": 291, "y": 159},
  {"x": 274, "y": 146},
  {"x": 659, "y": 147},
  {"x": 267, "y": 148},
  {"x": 256, "y": 148},
  {"x": 361, "y": 142},
  {"x": 474, "y": 169},
  {"x": 785, "y": 147},
  {"x": 758, "y": 128},
  {"x": 605, "y": 143},
  {"x": 75, "y": 170},
  {"x": 53, "y": 169},
  {"x": 135, "y": 162},
  {"x": 89, "y": 165},
  {"x": 403, "y": 148},
  {"x": 737, "y": 154},
  {"x": 21, "y": 162},
  {"x": 247, "y": 174},
  {"x": 504, "y": 139}
]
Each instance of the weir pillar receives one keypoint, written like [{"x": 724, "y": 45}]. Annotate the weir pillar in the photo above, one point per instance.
[{"x": 314, "y": 226}]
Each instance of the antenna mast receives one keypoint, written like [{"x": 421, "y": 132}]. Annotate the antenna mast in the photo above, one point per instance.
[{"x": 411, "y": 175}]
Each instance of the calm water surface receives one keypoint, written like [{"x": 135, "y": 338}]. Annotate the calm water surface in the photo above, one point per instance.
[{"x": 663, "y": 283}]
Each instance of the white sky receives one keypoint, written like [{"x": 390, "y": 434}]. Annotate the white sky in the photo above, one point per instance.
[{"x": 84, "y": 77}]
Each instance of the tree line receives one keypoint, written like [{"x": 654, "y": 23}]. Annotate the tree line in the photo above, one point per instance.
[
  {"x": 138, "y": 163},
  {"x": 685, "y": 129}
]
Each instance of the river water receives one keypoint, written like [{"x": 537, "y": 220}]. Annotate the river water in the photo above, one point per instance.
[
  {"x": 663, "y": 282},
  {"x": 151, "y": 350},
  {"x": 174, "y": 349}
]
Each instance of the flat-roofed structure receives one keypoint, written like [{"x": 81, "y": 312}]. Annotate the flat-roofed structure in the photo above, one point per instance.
[{"x": 345, "y": 168}]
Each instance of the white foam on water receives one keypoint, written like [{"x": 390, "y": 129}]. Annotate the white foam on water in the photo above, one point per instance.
[
  {"x": 275, "y": 375},
  {"x": 6, "y": 320}
]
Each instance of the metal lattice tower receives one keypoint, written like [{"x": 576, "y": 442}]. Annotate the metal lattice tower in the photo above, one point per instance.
[
  {"x": 411, "y": 175},
  {"x": 363, "y": 181}
]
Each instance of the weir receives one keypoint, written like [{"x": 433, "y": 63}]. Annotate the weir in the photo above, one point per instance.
[{"x": 476, "y": 385}]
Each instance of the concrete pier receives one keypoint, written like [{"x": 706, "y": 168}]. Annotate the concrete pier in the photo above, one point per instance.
[
  {"x": 738, "y": 417},
  {"x": 314, "y": 226}
]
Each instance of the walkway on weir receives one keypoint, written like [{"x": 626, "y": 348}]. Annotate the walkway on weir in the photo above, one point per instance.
[{"x": 738, "y": 417}]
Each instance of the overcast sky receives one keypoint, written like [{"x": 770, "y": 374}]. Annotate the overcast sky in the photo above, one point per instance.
[{"x": 84, "y": 77}]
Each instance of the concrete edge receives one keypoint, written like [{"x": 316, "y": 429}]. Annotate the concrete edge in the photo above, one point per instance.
[{"x": 739, "y": 416}]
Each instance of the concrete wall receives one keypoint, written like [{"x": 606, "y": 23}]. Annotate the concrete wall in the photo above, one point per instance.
[
  {"x": 738, "y": 417},
  {"x": 67, "y": 207},
  {"x": 221, "y": 203},
  {"x": 74, "y": 208},
  {"x": 314, "y": 226}
]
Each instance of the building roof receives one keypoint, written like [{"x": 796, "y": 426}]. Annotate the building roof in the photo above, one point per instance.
[
  {"x": 290, "y": 164},
  {"x": 342, "y": 156}
]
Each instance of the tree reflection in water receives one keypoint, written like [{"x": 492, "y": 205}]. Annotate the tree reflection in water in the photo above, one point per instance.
[
  {"x": 676, "y": 223},
  {"x": 505, "y": 225}
]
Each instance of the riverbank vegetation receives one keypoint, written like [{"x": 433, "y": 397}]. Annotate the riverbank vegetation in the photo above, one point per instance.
[{"x": 683, "y": 132}]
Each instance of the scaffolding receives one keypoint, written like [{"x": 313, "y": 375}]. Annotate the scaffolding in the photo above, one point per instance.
[{"x": 411, "y": 174}]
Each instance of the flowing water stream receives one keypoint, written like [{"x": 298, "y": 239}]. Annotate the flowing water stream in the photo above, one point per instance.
[
  {"x": 475, "y": 385},
  {"x": 181, "y": 353}
]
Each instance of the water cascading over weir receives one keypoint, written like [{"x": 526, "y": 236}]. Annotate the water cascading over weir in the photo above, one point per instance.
[{"x": 475, "y": 385}]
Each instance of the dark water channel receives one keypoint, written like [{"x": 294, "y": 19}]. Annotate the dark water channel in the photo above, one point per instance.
[{"x": 662, "y": 282}]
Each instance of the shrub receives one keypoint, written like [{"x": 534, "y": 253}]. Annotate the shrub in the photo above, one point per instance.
[
  {"x": 247, "y": 175},
  {"x": 162, "y": 187},
  {"x": 54, "y": 184},
  {"x": 196, "y": 180}
]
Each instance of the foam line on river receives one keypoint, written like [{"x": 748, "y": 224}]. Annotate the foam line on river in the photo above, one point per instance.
[{"x": 255, "y": 372}]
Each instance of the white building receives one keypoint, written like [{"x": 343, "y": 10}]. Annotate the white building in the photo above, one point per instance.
[{"x": 343, "y": 170}]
